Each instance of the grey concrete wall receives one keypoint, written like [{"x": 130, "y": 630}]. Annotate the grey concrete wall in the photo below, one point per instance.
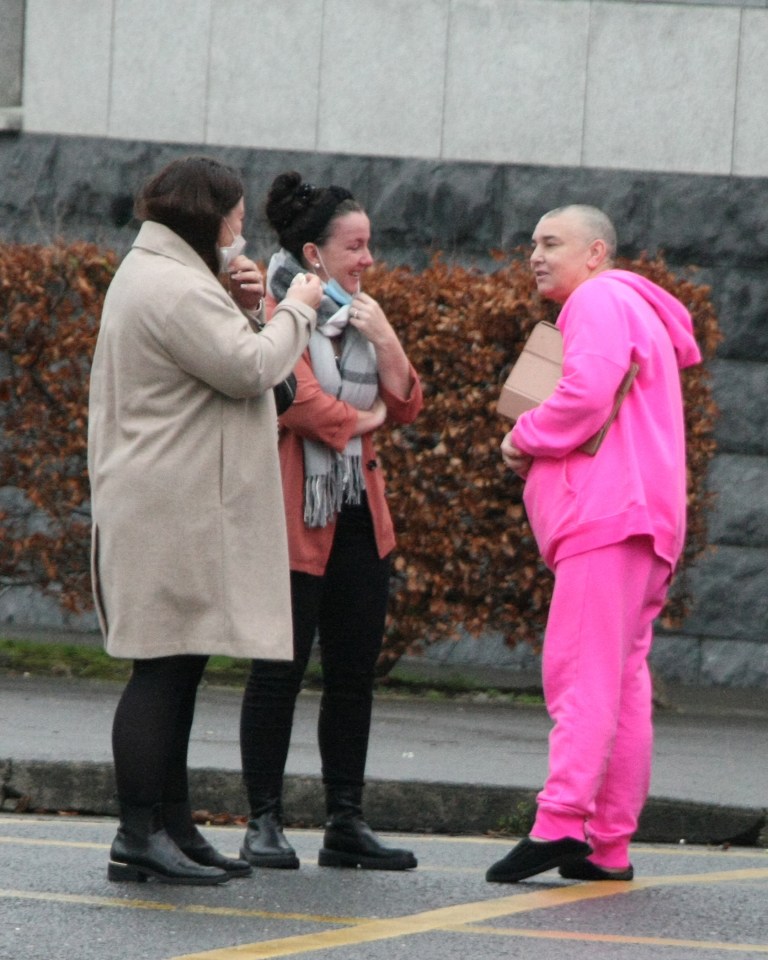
[
  {"x": 11, "y": 62},
  {"x": 78, "y": 188},
  {"x": 595, "y": 83}
]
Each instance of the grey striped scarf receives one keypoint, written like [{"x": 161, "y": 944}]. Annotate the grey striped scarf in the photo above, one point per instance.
[{"x": 331, "y": 478}]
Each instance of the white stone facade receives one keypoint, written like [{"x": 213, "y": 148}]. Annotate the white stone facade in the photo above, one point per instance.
[{"x": 674, "y": 87}]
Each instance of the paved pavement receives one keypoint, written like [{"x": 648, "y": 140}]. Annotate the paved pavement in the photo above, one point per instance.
[{"x": 451, "y": 766}]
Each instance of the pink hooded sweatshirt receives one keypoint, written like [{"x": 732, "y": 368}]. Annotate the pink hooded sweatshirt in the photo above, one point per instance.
[{"x": 636, "y": 482}]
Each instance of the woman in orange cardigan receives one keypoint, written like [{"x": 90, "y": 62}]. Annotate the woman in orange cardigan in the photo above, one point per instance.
[{"x": 353, "y": 377}]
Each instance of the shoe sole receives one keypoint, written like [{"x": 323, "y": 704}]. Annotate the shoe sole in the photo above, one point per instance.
[
  {"x": 130, "y": 873},
  {"x": 273, "y": 862},
  {"x": 576, "y": 871},
  {"x": 337, "y": 858},
  {"x": 523, "y": 874},
  {"x": 497, "y": 874}
]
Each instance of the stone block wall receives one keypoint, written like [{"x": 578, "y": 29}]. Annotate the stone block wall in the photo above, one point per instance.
[
  {"x": 616, "y": 84},
  {"x": 80, "y": 188}
]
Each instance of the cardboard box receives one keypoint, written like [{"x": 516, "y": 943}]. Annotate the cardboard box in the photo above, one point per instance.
[{"x": 535, "y": 376}]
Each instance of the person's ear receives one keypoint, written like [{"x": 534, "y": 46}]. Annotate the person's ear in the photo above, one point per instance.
[
  {"x": 311, "y": 256},
  {"x": 598, "y": 251}
]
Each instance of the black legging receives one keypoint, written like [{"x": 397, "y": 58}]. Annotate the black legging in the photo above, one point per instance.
[
  {"x": 151, "y": 729},
  {"x": 347, "y": 606}
]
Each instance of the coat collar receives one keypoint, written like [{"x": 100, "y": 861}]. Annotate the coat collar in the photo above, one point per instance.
[{"x": 157, "y": 238}]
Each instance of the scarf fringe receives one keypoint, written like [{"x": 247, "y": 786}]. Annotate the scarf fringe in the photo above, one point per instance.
[{"x": 324, "y": 494}]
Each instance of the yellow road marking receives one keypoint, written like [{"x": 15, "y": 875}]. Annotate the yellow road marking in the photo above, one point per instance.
[
  {"x": 33, "y": 842},
  {"x": 667, "y": 850},
  {"x": 405, "y": 926},
  {"x": 456, "y": 917},
  {"x": 83, "y": 900},
  {"x": 715, "y": 876},
  {"x": 89, "y": 845},
  {"x": 91, "y": 901},
  {"x": 467, "y": 918},
  {"x": 610, "y": 938}
]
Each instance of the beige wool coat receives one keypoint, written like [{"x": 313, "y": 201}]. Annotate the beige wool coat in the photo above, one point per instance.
[{"x": 189, "y": 549}]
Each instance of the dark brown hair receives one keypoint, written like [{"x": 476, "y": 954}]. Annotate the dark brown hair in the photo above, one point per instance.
[
  {"x": 301, "y": 213},
  {"x": 190, "y": 196}
]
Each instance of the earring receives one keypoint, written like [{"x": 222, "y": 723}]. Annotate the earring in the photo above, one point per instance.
[{"x": 317, "y": 266}]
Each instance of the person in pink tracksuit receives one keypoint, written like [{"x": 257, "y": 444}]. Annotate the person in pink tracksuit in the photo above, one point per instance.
[{"x": 611, "y": 527}]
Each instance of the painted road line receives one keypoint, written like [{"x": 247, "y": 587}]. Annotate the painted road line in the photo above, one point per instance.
[
  {"x": 86, "y": 900},
  {"x": 458, "y": 916},
  {"x": 34, "y": 842},
  {"x": 569, "y": 935},
  {"x": 405, "y": 926}
]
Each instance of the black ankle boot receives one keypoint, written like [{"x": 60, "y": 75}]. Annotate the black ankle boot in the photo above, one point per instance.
[
  {"x": 177, "y": 818},
  {"x": 143, "y": 849},
  {"x": 350, "y": 842},
  {"x": 265, "y": 844}
]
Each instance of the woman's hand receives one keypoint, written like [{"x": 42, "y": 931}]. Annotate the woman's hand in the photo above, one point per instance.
[
  {"x": 370, "y": 320},
  {"x": 394, "y": 370},
  {"x": 514, "y": 458},
  {"x": 246, "y": 283},
  {"x": 307, "y": 288},
  {"x": 368, "y": 420}
]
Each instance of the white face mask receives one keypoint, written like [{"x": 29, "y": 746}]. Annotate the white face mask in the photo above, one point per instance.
[{"x": 227, "y": 254}]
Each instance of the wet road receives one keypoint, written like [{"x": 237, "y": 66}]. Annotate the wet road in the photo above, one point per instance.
[{"x": 687, "y": 903}]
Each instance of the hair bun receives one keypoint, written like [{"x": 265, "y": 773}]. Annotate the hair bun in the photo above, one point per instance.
[
  {"x": 288, "y": 197},
  {"x": 300, "y": 212}
]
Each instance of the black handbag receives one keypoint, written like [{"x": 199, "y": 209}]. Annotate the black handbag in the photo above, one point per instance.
[{"x": 285, "y": 393}]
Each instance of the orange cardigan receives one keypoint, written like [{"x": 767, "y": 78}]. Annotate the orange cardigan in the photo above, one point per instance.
[{"x": 320, "y": 417}]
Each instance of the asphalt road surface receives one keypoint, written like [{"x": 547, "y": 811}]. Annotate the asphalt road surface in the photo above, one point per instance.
[{"x": 687, "y": 903}]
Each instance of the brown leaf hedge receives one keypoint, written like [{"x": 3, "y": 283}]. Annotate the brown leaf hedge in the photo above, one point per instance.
[
  {"x": 50, "y": 303},
  {"x": 466, "y": 557}
]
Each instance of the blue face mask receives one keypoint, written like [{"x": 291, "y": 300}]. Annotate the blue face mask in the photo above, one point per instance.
[{"x": 337, "y": 293}]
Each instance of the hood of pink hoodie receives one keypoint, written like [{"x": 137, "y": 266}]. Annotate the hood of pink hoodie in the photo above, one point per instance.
[{"x": 672, "y": 314}]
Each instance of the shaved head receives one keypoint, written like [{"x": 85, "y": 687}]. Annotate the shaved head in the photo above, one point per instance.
[{"x": 596, "y": 224}]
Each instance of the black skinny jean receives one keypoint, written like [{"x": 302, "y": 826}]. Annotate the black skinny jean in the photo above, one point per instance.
[
  {"x": 151, "y": 729},
  {"x": 347, "y": 608}
]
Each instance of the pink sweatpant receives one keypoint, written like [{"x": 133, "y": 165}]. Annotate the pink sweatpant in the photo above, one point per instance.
[{"x": 598, "y": 692}]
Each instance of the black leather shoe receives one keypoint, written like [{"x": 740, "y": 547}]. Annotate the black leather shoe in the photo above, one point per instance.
[
  {"x": 156, "y": 855},
  {"x": 180, "y": 826},
  {"x": 350, "y": 842},
  {"x": 586, "y": 870},
  {"x": 265, "y": 844},
  {"x": 530, "y": 857},
  {"x": 203, "y": 852}
]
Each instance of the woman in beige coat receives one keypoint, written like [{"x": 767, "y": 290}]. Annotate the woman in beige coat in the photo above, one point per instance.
[{"x": 189, "y": 542}]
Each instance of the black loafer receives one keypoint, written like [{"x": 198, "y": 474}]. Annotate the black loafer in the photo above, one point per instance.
[
  {"x": 586, "y": 870},
  {"x": 530, "y": 857}
]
